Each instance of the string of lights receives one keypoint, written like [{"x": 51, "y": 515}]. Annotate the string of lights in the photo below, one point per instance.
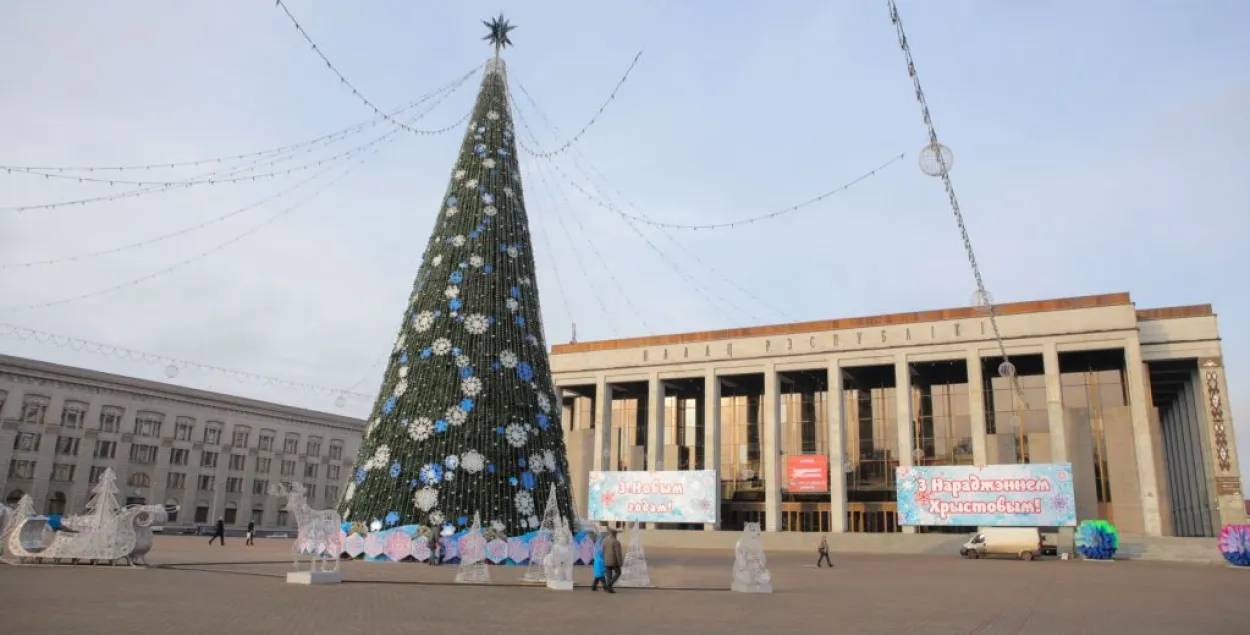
[
  {"x": 572, "y": 140},
  {"x": 936, "y": 160},
  {"x": 173, "y": 365},
  {"x": 200, "y": 256},
  {"x": 583, "y": 165},
  {"x": 343, "y": 79}
]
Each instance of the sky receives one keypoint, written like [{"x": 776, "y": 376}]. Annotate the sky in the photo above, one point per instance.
[{"x": 1099, "y": 147}]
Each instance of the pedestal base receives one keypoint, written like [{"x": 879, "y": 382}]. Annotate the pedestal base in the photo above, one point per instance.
[
  {"x": 560, "y": 585},
  {"x": 314, "y": 577},
  {"x": 763, "y": 587}
]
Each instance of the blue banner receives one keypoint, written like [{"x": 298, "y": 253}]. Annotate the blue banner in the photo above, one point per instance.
[{"x": 1037, "y": 495}]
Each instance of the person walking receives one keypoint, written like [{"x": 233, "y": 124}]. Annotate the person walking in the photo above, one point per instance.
[
  {"x": 823, "y": 550},
  {"x": 251, "y": 533},
  {"x": 612, "y": 560},
  {"x": 600, "y": 569},
  {"x": 219, "y": 533}
]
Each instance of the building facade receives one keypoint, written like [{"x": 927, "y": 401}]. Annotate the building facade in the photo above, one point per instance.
[
  {"x": 1135, "y": 399},
  {"x": 213, "y": 455}
]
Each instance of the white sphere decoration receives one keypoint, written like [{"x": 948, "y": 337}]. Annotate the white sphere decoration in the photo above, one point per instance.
[
  {"x": 982, "y": 300},
  {"x": 1007, "y": 369},
  {"x": 340, "y": 401},
  {"x": 171, "y": 371},
  {"x": 936, "y": 159}
]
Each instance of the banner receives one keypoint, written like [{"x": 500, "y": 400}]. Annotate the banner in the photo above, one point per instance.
[
  {"x": 1037, "y": 495},
  {"x": 654, "y": 497},
  {"x": 807, "y": 473}
]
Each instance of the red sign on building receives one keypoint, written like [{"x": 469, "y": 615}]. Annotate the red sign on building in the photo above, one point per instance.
[{"x": 807, "y": 473}]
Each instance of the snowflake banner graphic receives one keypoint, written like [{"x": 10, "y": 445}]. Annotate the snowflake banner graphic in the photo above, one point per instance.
[
  {"x": 654, "y": 497},
  {"x": 1037, "y": 495}
]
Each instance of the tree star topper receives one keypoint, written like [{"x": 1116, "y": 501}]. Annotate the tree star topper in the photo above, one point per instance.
[{"x": 498, "y": 36}]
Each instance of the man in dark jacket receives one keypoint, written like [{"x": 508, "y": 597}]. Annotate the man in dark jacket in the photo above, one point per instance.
[
  {"x": 251, "y": 533},
  {"x": 612, "y": 560},
  {"x": 219, "y": 533}
]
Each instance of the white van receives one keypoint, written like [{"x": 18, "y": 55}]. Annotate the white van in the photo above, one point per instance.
[{"x": 1024, "y": 543}]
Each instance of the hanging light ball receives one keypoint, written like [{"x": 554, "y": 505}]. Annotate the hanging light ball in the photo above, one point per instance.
[
  {"x": 340, "y": 401},
  {"x": 1007, "y": 369},
  {"x": 171, "y": 371},
  {"x": 936, "y": 159},
  {"x": 981, "y": 300}
]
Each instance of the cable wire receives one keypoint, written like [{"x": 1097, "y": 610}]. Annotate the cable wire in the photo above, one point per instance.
[{"x": 568, "y": 144}]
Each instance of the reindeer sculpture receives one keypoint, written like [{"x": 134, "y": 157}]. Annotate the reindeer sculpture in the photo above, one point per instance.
[{"x": 320, "y": 530}]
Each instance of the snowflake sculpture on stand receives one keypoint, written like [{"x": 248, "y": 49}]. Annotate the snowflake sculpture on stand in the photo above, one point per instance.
[
  {"x": 634, "y": 572},
  {"x": 750, "y": 567},
  {"x": 473, "y": 556}
]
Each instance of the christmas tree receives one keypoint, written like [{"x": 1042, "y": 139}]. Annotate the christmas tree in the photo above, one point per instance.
[
  {"x": 102, "y": 506},
  {"x": 467, "y": 420}
]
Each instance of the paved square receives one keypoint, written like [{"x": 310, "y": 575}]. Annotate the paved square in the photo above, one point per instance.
[{"x": 202, "y": 590}]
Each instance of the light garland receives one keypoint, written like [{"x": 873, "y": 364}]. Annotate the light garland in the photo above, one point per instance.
[
  {"x": 467, "y": 420},
  {"x": 574, "y": 139}
]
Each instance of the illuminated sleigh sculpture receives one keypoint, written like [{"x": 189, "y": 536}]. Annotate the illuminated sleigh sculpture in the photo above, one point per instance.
[{"x": 107, "y": 536}]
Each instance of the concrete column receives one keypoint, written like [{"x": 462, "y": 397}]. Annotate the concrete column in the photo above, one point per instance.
[
  {"x": 976, "y": 406},
  {"x": 1054, "y": 404},
  {"x": 837, "y": 448},
  {"x": 772, "y": 449},
  {"x": 603, "y": 425},
  {"x": 1197, "y": 464},
  {"x": 903, "y": 406},
  {"x": 1143, "y": 442},
  {"x": 1217, "y": 416},
  {"x": 655, "y": 424},
  {"x": 711, "y": 436}
]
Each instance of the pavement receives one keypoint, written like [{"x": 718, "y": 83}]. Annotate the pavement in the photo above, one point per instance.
[{"x": 195, "y": 588}]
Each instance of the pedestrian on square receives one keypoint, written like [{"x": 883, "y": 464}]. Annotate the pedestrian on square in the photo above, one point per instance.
[
  {"x": 251, "y": 533},
  {"x": 612, "y": 560},
  {"x": 823, "y": 551},
  {"x": 600, "y": 570},
  {"x": 219, "y": 533},
  {"x": 436, "y": 551}
]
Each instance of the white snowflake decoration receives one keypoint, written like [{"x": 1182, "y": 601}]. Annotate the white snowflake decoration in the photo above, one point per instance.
[
  {"x": 471, "y": 386},
  {"x": 488, "y": 198},
  {"x": 492, "y": 115},
  {"x": 507, "y": 359},
  {"x": 426, "y": 498},
  {"x": 421, "y": 429},
  {"x": 498, "y": 525},
  {"x": 436, "y": 517},
  {"x": 381, "y": 457},
  {"x": 513, "y": 252},
  {"x": 512, "y": 304},
  {"x": 476, "y": 324},
  {"x": 372, "y": 424},
  {"x": 401, "y": 387},
  {"x": 544, "y": 403},
  {"x": 549, "y": 459},
  {"x": 525, "y": 281},
  {"x": 403, "y": 372},
  {"x": 533, "y": 521},
  {"x": 490, "y": 210},
  {"x": 451, "y": 211},
  {"x": 400, "y": 341},
  {"x": 441, "y": 346},
  {"x": 351, "y": 491},
  {"x": 472, "y": 462},
  {"x": 437, "y": 260},
  {"x": 524, "y": 502},
  {"x": 463, "y": 361},
  {"x": 451, "y": 462},
  {"x": 476, "y": 261},
  {"x": 516, "y": 435},
  {"x": 449, "y": 475},
  {"x": 451, "y": 292},
  {"x": 536, "y": 463},
  {"x": 456, "y": 416},
  {"x": 508, "y": 191},
  {"x": 470, "y": 184},
  {"x": 488, "y": 163},
  {"x": 458, "y": 240},
  {"x": 459, "y": 174}
]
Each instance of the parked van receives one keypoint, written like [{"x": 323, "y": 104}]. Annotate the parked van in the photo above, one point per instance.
[{"x": 1019, "y": 542}]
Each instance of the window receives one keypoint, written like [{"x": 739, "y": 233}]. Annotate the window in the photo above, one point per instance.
[
  {"x": 27, "y": 441},
  {"x": 212, "y": 432},
  {"x": 179, "y": 456},
  {"x": 288, "y": 468},
  {"x": 148, "y": 424},
  {"x": 208, "y": 459},
  {"x": 105, "y": 450},
  {"x": 145, "y": 454},
  {"x": 332, "y": 472},
  {"x": 21, "y": 469},
  {"x": 266, "y": 440},
  {"x": 262, "y": 465},
  {"x": 232, "y": 512},
  {"x": 282, "y": 517},
  {"x": 336, "y": 450},
  {"x": 63, "y": 472},
  {"x": 171, "y": 516},
  {"x": 290, "y": 445},
  {"x": 310, "y": 490},
  {"x": 206, "y": 482},
  {"x": 34, "y": 407},
  {"x": 184, "y": 427},
  {"x": 332, "y": 494},
  {"x": 234, "y": 485},
  {"x": 242, "y": 435},
  {"x": 237, "y": 461},
  {"x": 313, "y": 447},
  {"x": 175, "y": 480},
  {"x": 139, "y": 479},
  {"x": 74, "y": 413},
  {"x": 111, "y": 418},
  {"x": 201, "y": 512},
  {"x": 67, "y": 446},
  {"x": 310, "y": 470},
  {"x": 260, "y": 487},
  {"x": 258, "y": 514},
  {"x": 96, "y": 472}
]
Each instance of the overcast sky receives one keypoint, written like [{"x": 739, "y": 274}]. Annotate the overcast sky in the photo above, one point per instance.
[{"x": 1100, "y": 147}]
